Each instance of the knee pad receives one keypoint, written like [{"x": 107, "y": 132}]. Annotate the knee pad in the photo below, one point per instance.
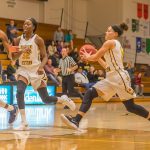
[
  {"x": 90, "y": 94},
  {"x": 87, "y": 100},
  {"x": 21, "y": 86}
]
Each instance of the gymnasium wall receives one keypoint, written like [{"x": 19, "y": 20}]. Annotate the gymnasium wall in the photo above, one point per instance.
[
  {"x": 74, "y": 16},
  {"x": 99, "y": 14},
  {"x": 130, "y": 13},
  {"x": 20, "y": 9},
  {"x": 102, "y": 13}
]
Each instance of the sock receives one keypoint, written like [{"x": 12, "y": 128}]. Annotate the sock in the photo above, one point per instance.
[
  {"x": 23, "y": 116},
  {"x": 78, "y": 117}
]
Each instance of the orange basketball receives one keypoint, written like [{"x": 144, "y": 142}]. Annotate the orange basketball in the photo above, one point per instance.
[{"x": 88, "y": 48}]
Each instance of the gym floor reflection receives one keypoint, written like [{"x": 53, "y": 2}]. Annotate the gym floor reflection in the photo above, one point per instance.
[{"x": 107, "y": 126}]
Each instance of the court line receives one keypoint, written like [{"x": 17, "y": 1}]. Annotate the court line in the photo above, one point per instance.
[{"x": 99, "y": 140}]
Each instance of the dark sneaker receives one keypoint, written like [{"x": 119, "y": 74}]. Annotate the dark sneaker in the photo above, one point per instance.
[
  {"x": 69, "y": 121},
  {"x": 13, "y": 115}
]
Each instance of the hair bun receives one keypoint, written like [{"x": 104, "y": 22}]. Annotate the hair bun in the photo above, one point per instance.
[{"x": 124, "y": 26}]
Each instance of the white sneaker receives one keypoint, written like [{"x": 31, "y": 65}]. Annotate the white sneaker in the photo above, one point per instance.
[
  {"x": 66, "y": 101},
  {"x": 22, "y": 127}
]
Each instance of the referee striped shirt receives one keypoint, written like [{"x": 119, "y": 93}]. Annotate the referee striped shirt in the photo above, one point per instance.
[{"x": 65, "y": 63}]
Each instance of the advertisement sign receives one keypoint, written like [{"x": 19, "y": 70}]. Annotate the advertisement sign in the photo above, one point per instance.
[
  {"x": 31, "y": 96},
  {"x": 5, "y": 93}
]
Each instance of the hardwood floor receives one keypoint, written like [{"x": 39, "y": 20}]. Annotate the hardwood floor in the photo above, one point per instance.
[{"x": 107, "y": 126}]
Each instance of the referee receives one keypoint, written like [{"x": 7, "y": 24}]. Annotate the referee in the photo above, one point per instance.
[{"x": 67, "y": 66}]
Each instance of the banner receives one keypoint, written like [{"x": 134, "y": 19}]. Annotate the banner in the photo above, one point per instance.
[
  {"x": 143, "y": 47},
  {"x": 138, "y": 44},
  {"x": 31, "y": 96},
  {"x": 135, "y": 25},
  {"x": 139, "y": 10},
  {"x": 6, "y": 93},
  {"x": 145, "y": 11},
  {"x": 148, "y": 45}
]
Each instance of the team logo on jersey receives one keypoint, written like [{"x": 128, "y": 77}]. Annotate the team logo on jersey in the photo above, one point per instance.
[{"x": 29, "y": 47}]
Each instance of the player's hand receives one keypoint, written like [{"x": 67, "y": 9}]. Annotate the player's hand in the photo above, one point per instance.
[
  {"x": 40, "y": 71},
  {"x": 85, "y": 55}
]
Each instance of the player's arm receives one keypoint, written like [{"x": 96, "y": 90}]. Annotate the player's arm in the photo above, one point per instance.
[
  {"x": 40, "y": 42},
  {"x": 100, "y": 53},
  {"x": 4, "y": 39}
]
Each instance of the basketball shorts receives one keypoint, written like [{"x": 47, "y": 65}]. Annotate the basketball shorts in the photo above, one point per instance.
[
  {"x": 32, "y": 76},
  {"x": 116, "y": 82}
]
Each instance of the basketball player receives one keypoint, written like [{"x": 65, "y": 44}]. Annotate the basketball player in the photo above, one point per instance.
[
  {"x": 32, "y": 58},
  {"x": 13, "y": 110},
  {"x": 117, "y": 79}
]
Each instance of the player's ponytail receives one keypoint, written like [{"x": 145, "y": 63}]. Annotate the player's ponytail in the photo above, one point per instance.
[
  {"x": 124, "y": 26},
  {"x": 120, "y": 28}
]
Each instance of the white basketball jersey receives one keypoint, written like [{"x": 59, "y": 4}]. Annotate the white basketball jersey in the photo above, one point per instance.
[
  {"x": 31, "y": 58},
  {"x": 114, "y": 57}
]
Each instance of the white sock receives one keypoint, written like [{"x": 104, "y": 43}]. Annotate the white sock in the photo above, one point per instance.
[{"x": 23, "y": 116}]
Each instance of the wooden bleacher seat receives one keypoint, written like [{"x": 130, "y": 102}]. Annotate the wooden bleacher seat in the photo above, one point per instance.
[
  {"x": 5, "y": 62},
  {"x": 3, "y": 56}
]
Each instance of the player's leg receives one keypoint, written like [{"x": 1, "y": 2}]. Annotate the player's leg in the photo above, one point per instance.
[
  {"x": 136, "y": 109},
  {"x": 127, "y": 94},
  {"x": 43, "y": 93},
  {"x": 21, "y": 87},
  {"x": 73, "y": 122},
  {"x": 102, "y": 89}
]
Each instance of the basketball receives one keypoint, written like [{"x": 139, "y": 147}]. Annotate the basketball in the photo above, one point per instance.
[{"x": 88, "y": 48}]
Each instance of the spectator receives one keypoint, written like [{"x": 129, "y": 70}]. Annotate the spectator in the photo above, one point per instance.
[
  {"x": 11, "y": 70},
  {"x": 100, "y": 74},
  {"x": 60, "y": 46},
  {"x": 92, "y": 76},
  {"x": 84, "y": 65},
  {"x": 51, "y": 49},
  {"x": 52, "y": 73},
  {"x": 82, "y": 80},
  {"x": 69, "y": 39},
  {"x": 138, "y": 85},
  {"x": 55, "y": 59},
  {"x": 12, "y": 31},
  {"x": 74, "y": 54},
  {"x": 58, "y": 35},
  {"x": 130, "y": 70}
]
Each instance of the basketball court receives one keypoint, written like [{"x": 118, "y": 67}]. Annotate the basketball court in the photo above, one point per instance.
[{"x": 111, "y": 128}]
